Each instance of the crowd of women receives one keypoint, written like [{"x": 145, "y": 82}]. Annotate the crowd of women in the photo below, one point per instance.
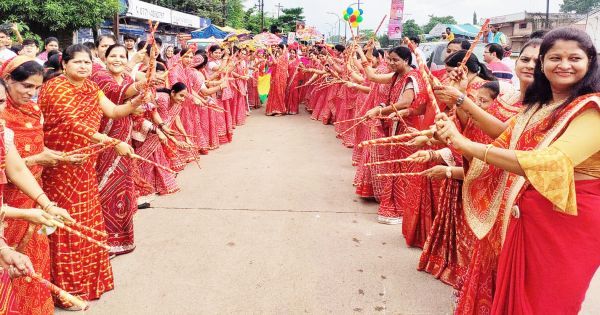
[{"x": 499, "y": 186}]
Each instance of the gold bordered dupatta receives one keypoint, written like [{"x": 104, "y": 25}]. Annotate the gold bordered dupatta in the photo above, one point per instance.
[{"x": 489, "y": 191}]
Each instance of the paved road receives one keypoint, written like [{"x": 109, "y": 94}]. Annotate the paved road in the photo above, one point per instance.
[{"x": 270, "y": 225}]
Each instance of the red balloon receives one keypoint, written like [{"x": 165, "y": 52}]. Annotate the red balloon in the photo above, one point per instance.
[{"x": 352, "y": 18}]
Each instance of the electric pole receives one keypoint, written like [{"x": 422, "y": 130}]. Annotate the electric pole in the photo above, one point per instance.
[
  {"x": 279, "y": 7},
  {"x": 547, "y": 14},
  {"x": 261, "y": 8}
]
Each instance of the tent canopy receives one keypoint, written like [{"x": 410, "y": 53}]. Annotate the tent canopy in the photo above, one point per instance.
[{"x": 210, "y": 31}]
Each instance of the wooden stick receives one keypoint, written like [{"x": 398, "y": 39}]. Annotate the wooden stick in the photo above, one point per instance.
[
  {"x": 87, "y": 228},
  {"x": 82, "y": 149},
  {"x": 81, "y": 235},
  {"x": 60, "y": 293},
  {"x": 474, "y": 43},
  {"x": 391, "y": 144},
  {"x": 137, "y": 157},
  {"x": 347, "y": 120},
  {"x": 405, "y": 136},
  {"x": 378, "y": 27},
  {"x": 424, "y": 75},
  {"x": 388, "y": 162},
  {"x": 398, "y": 174},
  {"x": 352, "y": 127}
]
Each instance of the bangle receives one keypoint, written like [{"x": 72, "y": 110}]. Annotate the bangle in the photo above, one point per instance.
[
  {"x": 48, "y": 206},
  {"x": 460, "y": 100},
  {"x": 380, "y": 110},
  {"x": 38, "y": 197},
  {"x": 487, "y": 149},
  {"x": 448, "y": 172}
]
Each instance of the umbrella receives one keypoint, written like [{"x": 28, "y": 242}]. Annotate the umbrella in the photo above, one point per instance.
[{"x": 267, "y": 39}]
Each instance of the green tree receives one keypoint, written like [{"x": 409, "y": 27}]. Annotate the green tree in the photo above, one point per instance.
[
  {"x": 235, "y": 14},
  {"x": 435, "y": 20},
  {"x": 252, "y": 20},
  {"x": 384, "y": 40},
  {"x": 59, "y": 17},
  {"x": 366, "y": 33},
  {"x": 287, "y": 21},
  {"x": 579, "y": 6},
  {"x": 410, "y": 28}
]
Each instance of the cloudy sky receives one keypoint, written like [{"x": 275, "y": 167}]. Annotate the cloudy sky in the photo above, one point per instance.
[{"x": 374, "y": 10}]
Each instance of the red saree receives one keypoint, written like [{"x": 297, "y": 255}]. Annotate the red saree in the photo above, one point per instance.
[
  {"x": 549, "y": 255},
  {"x": 279, "y": 76},
  {"x": 292, "y": 95},
  {"x": 31, "y": 297},
  {"x": 71, "y": 116}
]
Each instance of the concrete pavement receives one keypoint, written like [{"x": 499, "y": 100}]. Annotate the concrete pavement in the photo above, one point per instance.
[{"x": 271, "y": 225}]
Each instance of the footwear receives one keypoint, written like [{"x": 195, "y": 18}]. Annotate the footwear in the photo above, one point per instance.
[
  {"x": 389, "y": 221},
  {"x": 144, "y": 205}
]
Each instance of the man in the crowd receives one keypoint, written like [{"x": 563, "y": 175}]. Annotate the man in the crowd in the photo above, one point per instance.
[
  {"x": 129, "y": 43},
  {"x": 492, "y": 55},
  {"x": 449, "y": 34},
  {"x": 497, "y": 37},
  {"x": 5, "y": 52}
]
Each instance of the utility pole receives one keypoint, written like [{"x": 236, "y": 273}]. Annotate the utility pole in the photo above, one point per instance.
[
  {"x": 547, "y": 14},
  {"x": 358, "y": 27},
  {"x": 279, "y": 7},
  {"x": 261, "y": 8}
]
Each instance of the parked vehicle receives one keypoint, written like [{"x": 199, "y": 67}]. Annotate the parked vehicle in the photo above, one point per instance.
[{"x": 435, "y": 52}]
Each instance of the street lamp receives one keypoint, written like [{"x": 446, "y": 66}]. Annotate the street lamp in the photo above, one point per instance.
[
  {"x": 331, "y": 30},
  {"x": 339, "y": 20}
]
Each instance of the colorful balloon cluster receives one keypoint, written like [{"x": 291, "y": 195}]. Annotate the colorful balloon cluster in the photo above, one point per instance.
[{"x": 353, "y": 16}]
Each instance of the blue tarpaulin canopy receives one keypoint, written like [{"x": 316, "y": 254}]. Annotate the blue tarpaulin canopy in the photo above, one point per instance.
[{"x": 209, "y": 31}]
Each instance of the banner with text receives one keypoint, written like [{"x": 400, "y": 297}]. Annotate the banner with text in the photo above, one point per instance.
[{"x": 395, "y": 24}]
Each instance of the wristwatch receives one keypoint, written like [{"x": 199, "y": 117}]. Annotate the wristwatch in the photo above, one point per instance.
[
  {"x": 448, "y": 172},
  {"x": 460, "y": 100}
]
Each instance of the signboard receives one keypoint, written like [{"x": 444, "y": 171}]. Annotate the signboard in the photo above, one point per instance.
[
  {"x": 148, "y": 11},
  {"x": 395, "y": 24},
  {"x": 184, "y": 19}
]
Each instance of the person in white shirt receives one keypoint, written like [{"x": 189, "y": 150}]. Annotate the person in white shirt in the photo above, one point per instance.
[
  {"x": 5, "y": 52},
  {"x": 417, "y": 41},
  {"x": 129, "y": 43}
]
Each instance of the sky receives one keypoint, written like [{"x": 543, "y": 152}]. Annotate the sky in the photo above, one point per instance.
[{"x": 315, "y": 11}]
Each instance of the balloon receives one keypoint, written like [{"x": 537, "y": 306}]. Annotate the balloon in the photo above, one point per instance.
[
  {"x": 346, "y": 17},
  {"x": 353, "y": 19},
  {"x": 355, "y": 25},
  {"x": 359, "y": 19},
  {"x": 361, "y": 11},
  {"x": 349, "y": 11},
  {"x": 355, "y": 13}
]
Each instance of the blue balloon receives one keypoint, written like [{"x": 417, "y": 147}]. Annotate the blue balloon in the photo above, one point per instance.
[
  {"x": 360, "y": 11},
  {"x": 349, "y": 11}
]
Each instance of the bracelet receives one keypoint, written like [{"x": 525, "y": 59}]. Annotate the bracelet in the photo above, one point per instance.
[
  {"x": 448, "y": 172},
  {"x": 161, "y": 125},
  {"x": 487, "y": 149},
  {"x": 38, "y": 197},
  {"x": 48, "y": 206},
  {"x": 460, "y": 100}
]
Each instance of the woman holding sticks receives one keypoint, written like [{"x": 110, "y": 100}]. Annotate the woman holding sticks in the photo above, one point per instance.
[
  {"x": 73, "y": 106},
  {"x": 23, "y": 117},
  {"x": 170, "y": 104},
  {"x": 452, "y": 253},
  {"x": 292, "y": 95},
  {"x": 537, "y": 185},
  {"x": 405, "y": 98},
  {"x": 279, "y": 75},
  {"x": 115, "y": 179}
]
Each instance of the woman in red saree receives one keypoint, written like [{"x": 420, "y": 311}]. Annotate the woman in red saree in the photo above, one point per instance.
[
  {"x": 279, "y": 76},
  {"x": 23, "y": 117},
  {"x": 537, "y": 185},
  {"x": 73, "y": 106},
  {"x": 115, "y": 179},
  {"x": 170, "y": 105},
  {"x": 405, "y": 98},
  {"x": 210, "y": 122},
  {"x": 292, "y": 94},
  {"x": 215, "y": 71},
  {"x": 191, "y": 112},
  {"x": 240, "y": 86}
]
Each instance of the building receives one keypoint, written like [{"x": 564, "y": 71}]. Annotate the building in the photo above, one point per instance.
[
  {"x": 466, "y": 31},
  {"x": 518, "y": 26},
  {"x": 134, "y": 18},
  {"x": 591, "y": 24}
]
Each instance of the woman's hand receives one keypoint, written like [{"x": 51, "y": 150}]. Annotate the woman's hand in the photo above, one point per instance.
[
  {"x": 16, "y": 263},
  {"x": 124, "y": 149},
  {"x": 459, "y": 78},
  {"x": 419, "y": 141},
  {"x": 166, "y": 130},
  {"x": 396, "y": 116},
  {"x": 447, "y": 94},
  {"x": 37, "y": 216},
  {"x": 139, "y": 55},
  {"x": 61, "y": 213},
  {"x": 436, "y": 172},
  {"x": 447, "y": 132},
  {"x": 373, "y": 113},
  {"x": 76, "y": 159},
  {"x": 161, "y": 136},
  {"x": 421, "y": 156},
  {"x": 48, "y": 158}
]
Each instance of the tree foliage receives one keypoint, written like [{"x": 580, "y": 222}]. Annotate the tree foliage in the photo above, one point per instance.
[
  {"x": 435, "y": 20},
  {"x": 58, "y": 16},
  {"x": 235, "y": 14},
  {"x": 410, "y": 28},
  {"x": 287, "y": 21},
  {"x": 366, "y": 33},
  {"x": 252, "y": 20},
  {"x": 579, "y": 6}
]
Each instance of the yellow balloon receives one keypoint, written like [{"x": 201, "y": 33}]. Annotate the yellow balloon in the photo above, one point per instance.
[
  {"x": 355, "y": 24},
  {"x": 356, "y": 13}
]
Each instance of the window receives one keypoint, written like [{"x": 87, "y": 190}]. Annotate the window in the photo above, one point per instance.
[{"x": 523, "y": 25}]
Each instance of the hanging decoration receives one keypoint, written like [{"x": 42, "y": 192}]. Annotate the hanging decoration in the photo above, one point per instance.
[{"x": 354, "y": 17}]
